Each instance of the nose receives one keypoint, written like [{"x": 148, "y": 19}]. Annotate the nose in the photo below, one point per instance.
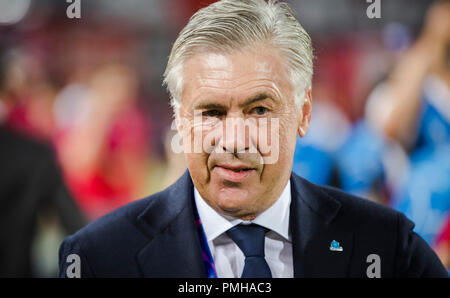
[{"x": 235, "y": 138}]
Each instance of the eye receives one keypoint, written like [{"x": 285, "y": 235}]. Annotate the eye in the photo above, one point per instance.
[
  {"x": 212, "y": 113},
  {"x": 260, "y": 111}
]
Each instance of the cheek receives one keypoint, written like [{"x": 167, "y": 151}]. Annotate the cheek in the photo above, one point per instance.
[
  {"x": 276, "y": 141},
  {"x": 197, "y": 161},
  {"x": 198, "y": 168},
  {"x": 198, "y": 135},
  {"x": 287, "y": 139}
]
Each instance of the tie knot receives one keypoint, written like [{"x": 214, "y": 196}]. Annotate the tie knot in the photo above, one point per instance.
[{"x": 249, "y": 238}]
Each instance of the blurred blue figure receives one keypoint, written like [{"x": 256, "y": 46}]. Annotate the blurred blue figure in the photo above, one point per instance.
[
  {"x": 425, "y": 197},
  {"x": 314, "y": 156},
  {"x": 434, "y": 125},
  {"x": 411, "y": 107},
  {"x": 313, "y": 163},
  {"x": 423, "y": 192},
  {"x": 359, "y": 160}
]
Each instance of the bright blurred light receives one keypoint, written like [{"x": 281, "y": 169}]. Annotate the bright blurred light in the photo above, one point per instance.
[{"x": 12, "y": 11}]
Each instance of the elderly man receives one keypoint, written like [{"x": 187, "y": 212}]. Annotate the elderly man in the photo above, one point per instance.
[{"x": 239, "y": 76}]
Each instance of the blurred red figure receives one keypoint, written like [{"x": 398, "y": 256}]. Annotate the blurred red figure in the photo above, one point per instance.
[
  {"x": 27, "y": 95},
  {"x": 103, "y": 139},
  {"x": 442, "y": 245}
]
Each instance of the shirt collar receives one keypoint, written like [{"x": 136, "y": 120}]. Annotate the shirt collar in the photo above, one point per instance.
[{"x": 275, "y": 218}]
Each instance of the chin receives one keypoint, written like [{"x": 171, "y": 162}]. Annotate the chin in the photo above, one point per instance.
[{"x": 235, "y": 203}]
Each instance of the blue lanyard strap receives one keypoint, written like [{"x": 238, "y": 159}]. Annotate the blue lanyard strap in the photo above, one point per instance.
[{"x": 208, "y": 261}]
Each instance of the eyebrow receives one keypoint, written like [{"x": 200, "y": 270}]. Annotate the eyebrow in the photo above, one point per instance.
[
  {"x": 210, "y": 106},
  {"x": 256, "y": 98},
  {"x": 249, "y": 101}
]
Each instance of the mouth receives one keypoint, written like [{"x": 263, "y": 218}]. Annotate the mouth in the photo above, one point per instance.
[{"x": 233, "y": 173}]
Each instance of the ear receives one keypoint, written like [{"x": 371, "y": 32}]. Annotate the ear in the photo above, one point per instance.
[
  {"x": 305, "y": 114},
  {"x": 177, "y": 123}
]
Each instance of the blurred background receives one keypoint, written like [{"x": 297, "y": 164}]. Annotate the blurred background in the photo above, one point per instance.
[{"x": 86, "y": 126}]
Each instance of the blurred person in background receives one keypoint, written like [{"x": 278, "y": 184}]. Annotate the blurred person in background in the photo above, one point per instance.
[
  {"x": 27, "y": 94},
  {"x": 315, "y": 154},
  {"x": 33, "y": 195},
  {"x": 103, "y": 139},
  {"x": 348, "y": 61},
  {"x": 411, "y": 110},
  {"x": 72, "y": 86}
]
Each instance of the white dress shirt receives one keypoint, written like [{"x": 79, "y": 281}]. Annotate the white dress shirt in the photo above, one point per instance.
[{"x": 228, "y": 258}]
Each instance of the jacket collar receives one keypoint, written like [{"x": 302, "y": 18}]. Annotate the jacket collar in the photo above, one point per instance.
[{"x": 174, "y": 247}]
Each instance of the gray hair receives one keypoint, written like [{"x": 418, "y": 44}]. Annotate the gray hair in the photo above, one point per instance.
[{"x": 229, "y": 25}]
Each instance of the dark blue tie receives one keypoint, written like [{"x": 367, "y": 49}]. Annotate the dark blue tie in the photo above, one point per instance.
[{"x": 250, "y": 239}]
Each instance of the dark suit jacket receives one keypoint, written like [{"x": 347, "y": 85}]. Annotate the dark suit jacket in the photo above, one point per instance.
[
  {"x": 157, "y": 237},
  {"x": 31, "y": 184}
]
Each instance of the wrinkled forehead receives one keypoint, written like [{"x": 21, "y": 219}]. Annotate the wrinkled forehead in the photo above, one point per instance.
[{"x": 237, "y": 70}]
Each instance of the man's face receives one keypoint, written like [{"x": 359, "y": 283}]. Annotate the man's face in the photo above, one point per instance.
[{"x": 237, "y": 106}]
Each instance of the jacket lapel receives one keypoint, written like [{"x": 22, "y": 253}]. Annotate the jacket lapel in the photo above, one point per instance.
[
  {"x": 174, "y": 246},
  {"x": 315, "y": 223}
]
